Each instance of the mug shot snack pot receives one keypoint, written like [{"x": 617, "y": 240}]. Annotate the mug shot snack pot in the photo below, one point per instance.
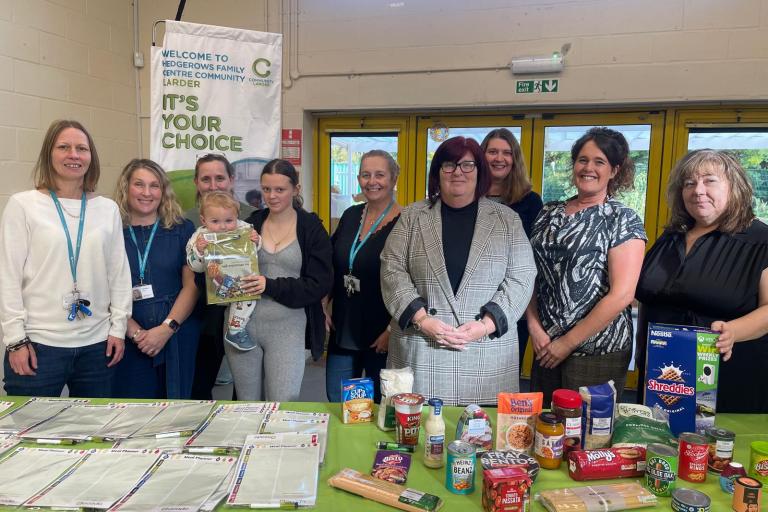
[
  {"x": 516, "y": 421},
  {"x": 681, "y": 376},
  {"x": 729, "y": 475},
  {"x": 747, "y": 495},
  {"x": 357, "y": 400},
  {"x": 506, "y": 490},
  {"x": 720, "y": 451},
  {"x": 758, "y": 461},
  {"x": 693, "y": 451},
  {"x": 606, "y": 463},
  {"x": 408, "y": 417}
]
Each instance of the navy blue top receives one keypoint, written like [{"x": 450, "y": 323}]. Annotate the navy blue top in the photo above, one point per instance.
[{"x": 166, "y": 259}]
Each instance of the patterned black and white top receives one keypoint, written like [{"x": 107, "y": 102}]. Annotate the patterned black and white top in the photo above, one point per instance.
[{"x": 571, "y": 253}]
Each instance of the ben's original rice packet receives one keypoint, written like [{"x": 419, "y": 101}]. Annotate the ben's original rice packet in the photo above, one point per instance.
[
  {"x": 357, "y": 400},
  {"x": 682, "y": 367}
]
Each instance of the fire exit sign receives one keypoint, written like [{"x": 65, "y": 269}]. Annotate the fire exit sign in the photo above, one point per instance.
[{"x": 537, "y": 86}]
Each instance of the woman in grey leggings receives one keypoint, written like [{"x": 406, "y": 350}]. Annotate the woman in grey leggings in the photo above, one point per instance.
[{"x": 296, "y": 273}]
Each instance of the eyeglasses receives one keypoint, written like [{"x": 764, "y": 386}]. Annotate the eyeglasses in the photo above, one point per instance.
[{"x": 466, "y": 166}]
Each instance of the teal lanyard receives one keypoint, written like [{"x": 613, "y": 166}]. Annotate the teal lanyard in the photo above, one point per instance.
[
  {"x": 74, "y": 256},
  {"x": 357, "y": 244},
  {"x": 143, "y": 259}
]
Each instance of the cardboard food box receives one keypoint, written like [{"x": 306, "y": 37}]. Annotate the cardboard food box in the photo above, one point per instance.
[
  {"x": 681, "y": 373},
  {"x": 357, "y": 400}
]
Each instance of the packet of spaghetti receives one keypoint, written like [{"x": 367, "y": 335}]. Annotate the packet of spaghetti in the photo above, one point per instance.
[{"x": 516, "y": 421}]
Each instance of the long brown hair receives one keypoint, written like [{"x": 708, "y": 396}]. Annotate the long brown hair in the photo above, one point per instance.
[
  {"x": 44, "y": 175},
  {"x": 738, "y": 214},
  {"x": 516, "y": 185},
  {"x": 168, "y": 211}
]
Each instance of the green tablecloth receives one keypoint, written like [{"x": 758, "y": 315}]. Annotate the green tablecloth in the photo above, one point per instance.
[{"x": 353, "y": 446}]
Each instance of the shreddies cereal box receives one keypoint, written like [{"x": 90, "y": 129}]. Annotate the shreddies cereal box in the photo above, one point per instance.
[{"x": 681, "y": 375}]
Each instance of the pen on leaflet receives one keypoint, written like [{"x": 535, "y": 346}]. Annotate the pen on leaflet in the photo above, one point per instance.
[{"x": 54, "y": 441}]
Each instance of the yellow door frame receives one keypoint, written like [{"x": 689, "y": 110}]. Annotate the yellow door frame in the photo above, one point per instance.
[{"x": 348, "y": 125}]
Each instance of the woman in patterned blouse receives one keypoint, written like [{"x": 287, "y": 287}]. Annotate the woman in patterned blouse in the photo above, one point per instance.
[{"x": 588, "y": 251}]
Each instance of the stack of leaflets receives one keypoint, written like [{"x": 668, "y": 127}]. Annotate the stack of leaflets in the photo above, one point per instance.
[
  {"x": 96, "y": 481},
  {"x": 304, "y": 422},
  {"x": 6, "y": 405},
  {"x": 178, "y": 482},
  {"x": 25, "y": 471},
  {"x": 8, "y": 441},
  {"x": 176, "y": 419},
  {"x": 132, "y": 417},
  {"x": 166, "y": 444},
  {"x": 74, "y": 424},
  {"x": 34, "y": 412},
  {"x": 226, "y": 429},
  {"x": 276, "y": 470}
]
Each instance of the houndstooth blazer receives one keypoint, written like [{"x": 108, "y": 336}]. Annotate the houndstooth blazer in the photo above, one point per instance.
[{"x": 500, "y": 270}]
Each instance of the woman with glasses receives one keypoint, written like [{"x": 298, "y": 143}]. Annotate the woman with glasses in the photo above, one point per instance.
[
  {"x": 588, "y": 250},
  {"x": 510, "y": 185},
  {"x": 456, "y": 274}
]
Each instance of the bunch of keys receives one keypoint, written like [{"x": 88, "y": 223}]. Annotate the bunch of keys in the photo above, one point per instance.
[
  {"x": 351, "y": 284},
  {"x": 79, "y": 308}
]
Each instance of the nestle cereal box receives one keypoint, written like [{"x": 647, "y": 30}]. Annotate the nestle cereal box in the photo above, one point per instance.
[
  {"x": 357, "y": 400},
  {"x": 681, "y": 375}
]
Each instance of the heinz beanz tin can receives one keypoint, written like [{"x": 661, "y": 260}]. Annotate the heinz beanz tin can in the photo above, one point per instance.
[
  {"x": 460, "y": 470},
  {"x": 660, "y": 469},
  {"x": 693, "y": 451}
]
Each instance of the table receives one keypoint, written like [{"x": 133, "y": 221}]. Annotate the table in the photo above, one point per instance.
[{"x": 354, "y": 446}]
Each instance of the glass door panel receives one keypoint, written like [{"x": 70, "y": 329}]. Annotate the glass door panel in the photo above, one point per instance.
[
  {"x": 431, "y": 132},
  {"x": 346, "y": 151},
  {"x": 556, "y": 168},
  {"x": 749, "y": 146}
]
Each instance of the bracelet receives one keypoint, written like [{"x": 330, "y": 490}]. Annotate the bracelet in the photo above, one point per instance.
[
  {"x": 485, "y": 328},
  {"x": 13, "y": 347},
  {"x": 138, "y": 331}
]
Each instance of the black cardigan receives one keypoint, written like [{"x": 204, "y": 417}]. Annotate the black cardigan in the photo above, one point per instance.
[{"x": 316, "y": 277}]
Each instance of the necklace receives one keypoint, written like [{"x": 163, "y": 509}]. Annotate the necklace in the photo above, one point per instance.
[
  {"x": 291, "y": 230},
  {"x": 75, "y": 215}
]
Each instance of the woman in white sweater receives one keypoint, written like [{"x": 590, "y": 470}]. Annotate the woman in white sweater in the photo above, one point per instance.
[{"x": 65, "y": 286}]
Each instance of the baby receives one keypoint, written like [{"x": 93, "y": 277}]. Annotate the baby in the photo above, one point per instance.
[{"x": 218, "y": 213}]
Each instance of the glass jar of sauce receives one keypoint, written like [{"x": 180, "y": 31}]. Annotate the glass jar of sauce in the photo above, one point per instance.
[{"x": 548, "y": 441}]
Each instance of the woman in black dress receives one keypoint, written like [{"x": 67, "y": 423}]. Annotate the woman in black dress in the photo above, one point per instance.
[
  {"x": 359, "y": 323},
  {"x": 710, "y": 269}
]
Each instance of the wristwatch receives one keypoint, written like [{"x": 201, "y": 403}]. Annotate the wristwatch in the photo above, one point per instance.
[{"x": 173, "y": 324}]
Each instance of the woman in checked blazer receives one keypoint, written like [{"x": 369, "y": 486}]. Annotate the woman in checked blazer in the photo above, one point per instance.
[{"x": 456, "y": 273}]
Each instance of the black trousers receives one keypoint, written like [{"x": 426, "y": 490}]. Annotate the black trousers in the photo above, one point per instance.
[{"x": 210, "y": 351}]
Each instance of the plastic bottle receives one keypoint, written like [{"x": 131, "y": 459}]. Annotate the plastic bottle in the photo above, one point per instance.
[{"x": 434, "y": 435}]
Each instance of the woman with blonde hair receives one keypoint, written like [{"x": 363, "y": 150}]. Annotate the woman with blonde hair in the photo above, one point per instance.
[
  {"x": 65, "y": 290},
  {"x": 160, "y": 355}
]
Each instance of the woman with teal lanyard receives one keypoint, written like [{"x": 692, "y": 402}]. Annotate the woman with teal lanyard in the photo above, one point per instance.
[
  {"x": 358, "y": 325},
  {"x": 162, "y": 338},
  {"x": 64, "y": 303}
]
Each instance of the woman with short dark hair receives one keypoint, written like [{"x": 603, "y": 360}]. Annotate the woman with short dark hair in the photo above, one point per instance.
[{"x": 456, "y": 274}]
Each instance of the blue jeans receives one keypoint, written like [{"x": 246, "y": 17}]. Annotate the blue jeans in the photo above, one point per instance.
[
  {"x": 82, "y": 369},
  {"x": 350, "y": 364}
]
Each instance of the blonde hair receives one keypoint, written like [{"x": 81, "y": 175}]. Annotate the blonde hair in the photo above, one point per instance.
[
  {"x": 169, "y": 210},
  {"x": 219, "y": 199},
  {"x": 738, "y": 214},
  {"x": 44, "y": 175}
]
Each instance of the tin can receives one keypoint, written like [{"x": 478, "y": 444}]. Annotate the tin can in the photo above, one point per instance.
[
  {"x": 731, "y": 472},
  {"x": 460, "y": 470},
  {"x": 747, "y": 494},
  {"x": 720, "y": 448},
  {"x": 660, "y": 469},
  {"x": 689, "y": 500},
  {"x": 758, "y": 461},
  {"x": 693, "y": 451}
]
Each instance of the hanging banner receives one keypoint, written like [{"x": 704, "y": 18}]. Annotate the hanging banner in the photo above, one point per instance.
[{"x": 215, "y": 90}]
